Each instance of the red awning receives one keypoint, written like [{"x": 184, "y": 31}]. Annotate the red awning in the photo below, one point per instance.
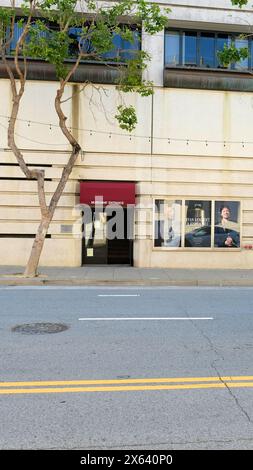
[{"x": 107, "y": 192}]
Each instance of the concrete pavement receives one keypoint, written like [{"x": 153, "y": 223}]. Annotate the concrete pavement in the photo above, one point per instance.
[{"x": 126, "y": 275}]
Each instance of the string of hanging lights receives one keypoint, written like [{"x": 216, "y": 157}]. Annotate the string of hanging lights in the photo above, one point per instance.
[{"x": 94, "y": 132}]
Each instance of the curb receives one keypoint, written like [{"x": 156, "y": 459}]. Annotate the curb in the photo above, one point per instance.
[{"x": 105, "y": 282}]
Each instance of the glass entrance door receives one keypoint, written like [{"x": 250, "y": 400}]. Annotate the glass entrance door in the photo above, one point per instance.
[
  {"x": 95, "y": 239},
  {"x": 103, "y": 241}
]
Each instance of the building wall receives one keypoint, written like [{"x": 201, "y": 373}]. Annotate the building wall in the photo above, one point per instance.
[
  {"x": 201, "y": 170},
  {"x": 161, "y": 156}
]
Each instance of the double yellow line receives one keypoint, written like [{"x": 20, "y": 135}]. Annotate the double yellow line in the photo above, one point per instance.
[{"x": 123, "y": 385}]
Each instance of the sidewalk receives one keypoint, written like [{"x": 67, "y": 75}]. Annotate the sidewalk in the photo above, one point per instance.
[{"x": 127, "y": 276}]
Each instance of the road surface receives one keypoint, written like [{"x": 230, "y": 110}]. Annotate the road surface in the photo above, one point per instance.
[{"x": 135, "y": 368}]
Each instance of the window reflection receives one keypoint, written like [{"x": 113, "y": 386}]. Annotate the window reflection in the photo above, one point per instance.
[
  {"x": 190, "y": 49},
  {"x": 241, "y": 43},
  {"x": 207, "y": 50},
  {"x": 172, "y": 48}
]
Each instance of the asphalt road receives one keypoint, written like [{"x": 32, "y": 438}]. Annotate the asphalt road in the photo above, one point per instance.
[{"x": 137, "y": 368}]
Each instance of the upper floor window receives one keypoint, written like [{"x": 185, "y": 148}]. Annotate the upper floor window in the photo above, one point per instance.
[
  {"x": 122, "y": 49},
  {"x": 172, "y": 48},
  {"x": 190, "y": 49},
  {"x": 199, "y": 49},
  {"x": 18, "y": 30}
]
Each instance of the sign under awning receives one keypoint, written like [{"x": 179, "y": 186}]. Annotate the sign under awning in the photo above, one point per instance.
[{"x": 107, "y": 192}]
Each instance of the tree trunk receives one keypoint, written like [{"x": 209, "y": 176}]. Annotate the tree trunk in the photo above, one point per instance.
[
  {"x": 32, "y": 265},
  {"x": 48, "y": 213}
]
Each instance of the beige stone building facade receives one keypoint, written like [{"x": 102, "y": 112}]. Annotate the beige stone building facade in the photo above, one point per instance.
[{"x": 190, "y": 155}]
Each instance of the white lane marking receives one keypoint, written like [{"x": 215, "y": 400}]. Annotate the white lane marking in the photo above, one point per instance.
[
  {"x": 142, "y": 318},
  {"x": 118, "y": 295}
]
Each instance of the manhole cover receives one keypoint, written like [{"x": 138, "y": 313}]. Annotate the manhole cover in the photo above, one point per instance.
[{"x": 39, "y": 328}]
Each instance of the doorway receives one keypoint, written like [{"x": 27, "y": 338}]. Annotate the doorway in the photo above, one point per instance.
[{"x": 108, "y": 236}]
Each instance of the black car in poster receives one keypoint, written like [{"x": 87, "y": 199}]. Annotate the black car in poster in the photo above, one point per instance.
[{"x": 201, "y": 237}]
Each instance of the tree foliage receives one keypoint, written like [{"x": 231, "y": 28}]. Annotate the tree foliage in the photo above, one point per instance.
[
  {"x": 48, "y": 37},
  {"x": 239, "y": 3}
]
